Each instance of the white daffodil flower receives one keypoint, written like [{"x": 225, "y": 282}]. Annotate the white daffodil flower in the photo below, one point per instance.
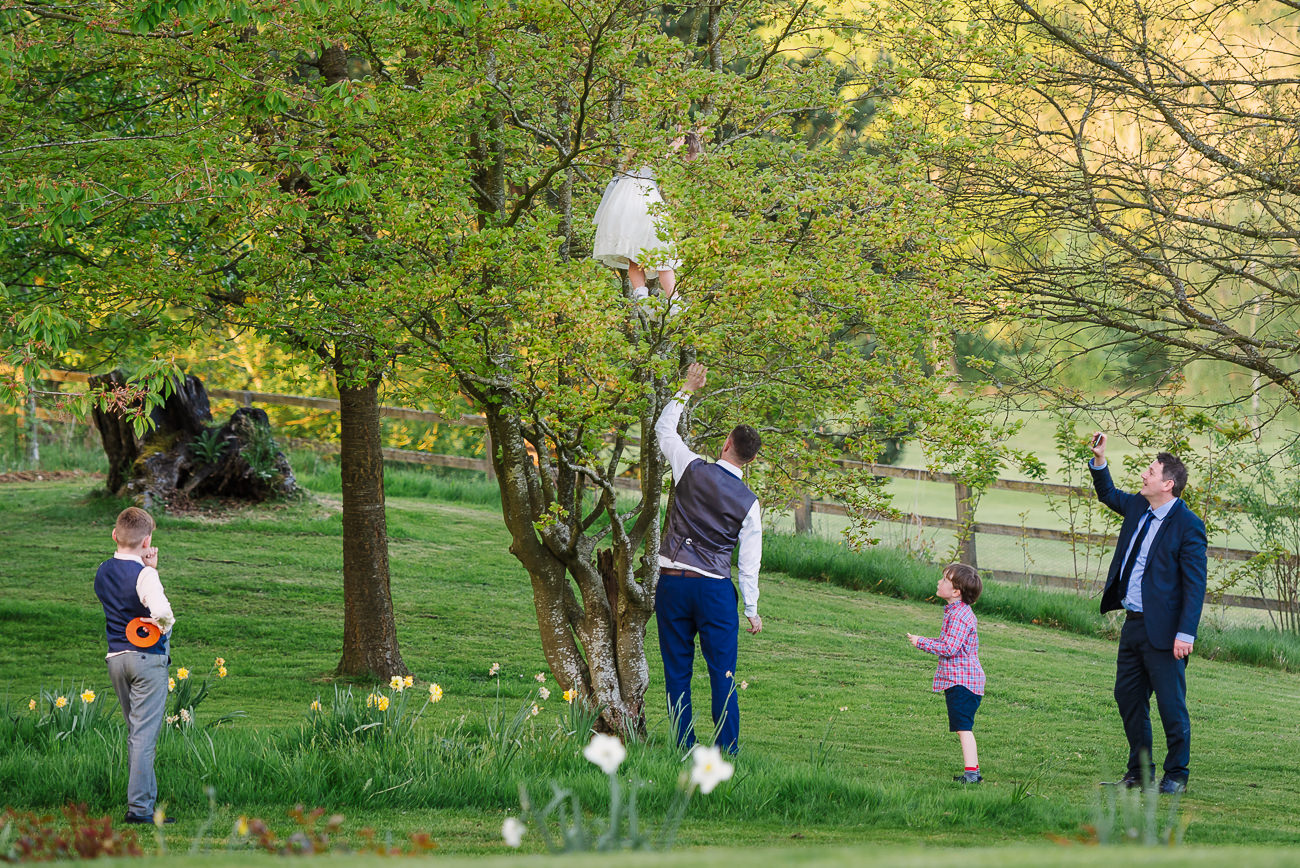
[
  {"x": 710, "y": 769},
  {"x": 512, "y": 831},
  {"x": 605, "y": 751}
]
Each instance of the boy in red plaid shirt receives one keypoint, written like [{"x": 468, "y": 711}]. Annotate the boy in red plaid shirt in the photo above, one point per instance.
[{"x": 959, "y": 676}]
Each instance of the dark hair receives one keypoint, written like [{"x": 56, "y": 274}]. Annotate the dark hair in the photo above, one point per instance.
[
  {"x": 966, "y": 579},
  {"x": 694, "y": 145},
  {"x": 133, "y": 526},
  {"x": 1173, "y": 470},
  {"x": 746, "y": 442}
]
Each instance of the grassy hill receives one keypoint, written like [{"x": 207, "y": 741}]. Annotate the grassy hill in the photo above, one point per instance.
[{"x": 842, "y": 741}]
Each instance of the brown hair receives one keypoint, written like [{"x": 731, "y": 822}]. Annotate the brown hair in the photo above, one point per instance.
[
  {"x": 1172, "y": 469},
  {"x": 746, "y": 441},
  {"x": 966, "y": 579},
  {"x": 133, "y": 527},
  {"x": 694, "y": 145}
]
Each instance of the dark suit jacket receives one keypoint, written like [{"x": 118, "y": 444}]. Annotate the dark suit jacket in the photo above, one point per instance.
[{"x": 1173, "y": 582}]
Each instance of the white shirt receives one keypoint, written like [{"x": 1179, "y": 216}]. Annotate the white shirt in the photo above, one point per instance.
[
  {"x": 750, "y": 543},
  {"x": 148, "y": 587}
]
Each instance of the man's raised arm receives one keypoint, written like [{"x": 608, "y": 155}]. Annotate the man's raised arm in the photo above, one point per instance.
[{"x": 672, "y": 445}]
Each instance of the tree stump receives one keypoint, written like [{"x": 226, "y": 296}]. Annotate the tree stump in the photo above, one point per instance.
[{"x": 183, "y": 457}]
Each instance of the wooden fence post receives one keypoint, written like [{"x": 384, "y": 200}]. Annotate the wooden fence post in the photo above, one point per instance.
[
  {"x": 487, "y": 453},
  {"x": 966, "y": 522},
  {"x": 803, "y": 514}
]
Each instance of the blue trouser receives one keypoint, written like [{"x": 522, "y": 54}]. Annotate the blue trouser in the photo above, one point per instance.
[
  {"x": 684, "y": 607},
  {"x": 140, "y": 682},
  {"x": 1140, "y": 670}
]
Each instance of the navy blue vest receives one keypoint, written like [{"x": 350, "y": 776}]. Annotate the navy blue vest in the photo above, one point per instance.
[
  {"x": 115, "y": 587},
  {"x": 709, "y": 506}
]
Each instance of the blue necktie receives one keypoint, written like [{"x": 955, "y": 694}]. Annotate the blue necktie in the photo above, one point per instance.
[{"x": 1127, "y": 570}]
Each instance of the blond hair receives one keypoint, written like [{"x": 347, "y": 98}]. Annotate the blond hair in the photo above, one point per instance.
[{"x": 133, "y": 527}]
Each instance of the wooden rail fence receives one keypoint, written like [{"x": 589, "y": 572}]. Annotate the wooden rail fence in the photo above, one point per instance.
[{"x": 964, "y": 525}]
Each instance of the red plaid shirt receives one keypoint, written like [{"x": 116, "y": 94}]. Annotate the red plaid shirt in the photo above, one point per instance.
[{"x": 958, "y": 648}]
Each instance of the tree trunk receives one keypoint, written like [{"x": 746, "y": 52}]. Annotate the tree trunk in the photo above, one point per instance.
[{"x": 369, "y": 628}]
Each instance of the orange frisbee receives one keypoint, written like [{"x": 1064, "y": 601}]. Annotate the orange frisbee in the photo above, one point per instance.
[{"x": 151, "y": 633}]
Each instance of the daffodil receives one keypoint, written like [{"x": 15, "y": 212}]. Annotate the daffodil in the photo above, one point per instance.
[
  {"x": 31, "y": 705},
  {"x": 185, "y": 715},
  {"x": 182, "y": 673},
  {"x": 435, "y": 693},
  {"x": 221, "y": 661},
  {"x": 535, "y": 710},
  {"x": 496, "y": 667},
  {"x": 395, "y": 683},
  {"x": 709, "y": 769},
  {"x": 570, "y": 695},
  {"x": 88, "y": 696},
  {"x": 408, "y": 681},
  {"x": 543, "y": 693},
  {"x": 172, "y": 718},
  {"x": 512, "y": 831},
  {"x": 605, "y": 751},
  {"x": 171, "y": 684},
  {"x": 370, "y": 700},
  {"x": 744, "y": 685},
  {"x": 540, "y": 677},
  {"x": 241, "y": 827},
  {"x": 60, "y": 702},
  {"x": 315, "y": 705},
  {"x": 381, "y": 702}
]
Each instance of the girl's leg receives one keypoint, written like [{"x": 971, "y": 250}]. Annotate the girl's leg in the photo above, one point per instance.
[
  {"x": 968, "y": 753},
  {"x": 636, "y": 276},
  {"x": 668, "y": 282}
]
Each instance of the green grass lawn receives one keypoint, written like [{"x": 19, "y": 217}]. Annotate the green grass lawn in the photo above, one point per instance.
[{"x": 843, "y": 744}]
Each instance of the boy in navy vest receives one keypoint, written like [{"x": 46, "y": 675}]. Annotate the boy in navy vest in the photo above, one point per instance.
[
  {"x": 127, "y": 585},
  {"x": 713, "y": 514}
]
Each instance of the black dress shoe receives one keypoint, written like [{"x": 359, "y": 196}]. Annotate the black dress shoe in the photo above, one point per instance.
[
  {"x": 1172, "y": 786},
  {"x": 143, "y": 820},
  {"x": 1130, "y": 781}
]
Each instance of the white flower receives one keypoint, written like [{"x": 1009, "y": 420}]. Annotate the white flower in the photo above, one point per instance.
[
  {"x": 710, "y": 768},
  {"x": 543, "y": 693},
  {"x": 539, "y": 677},
  {"x": 513, "y": 831},
  {"x": 496, "y": 667},
  {"x": 744, "y": 685},
  {"x": 185, "y": 715},
  {"x": 605, "y": 751}
]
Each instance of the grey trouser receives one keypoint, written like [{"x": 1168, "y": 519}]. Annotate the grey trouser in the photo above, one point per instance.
[{"x": 140, "y": 681}]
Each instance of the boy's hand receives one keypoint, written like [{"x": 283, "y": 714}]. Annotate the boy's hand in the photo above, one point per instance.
[
  {"x": 913, "y": 638},
  {"x": 150, "y": 557},
  {"x": 755, "y": 624},
  {"x": 696, "y": 374}
]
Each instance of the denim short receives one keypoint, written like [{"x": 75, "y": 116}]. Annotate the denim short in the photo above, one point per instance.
[{"x": 962, "y": 705}]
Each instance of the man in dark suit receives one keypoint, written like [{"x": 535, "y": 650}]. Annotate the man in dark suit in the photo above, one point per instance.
[{"x": 1158, "y": 578}]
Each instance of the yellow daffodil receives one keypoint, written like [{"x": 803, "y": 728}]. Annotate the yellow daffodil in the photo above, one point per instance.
[
  {"x": 408, "y": 681},
  {"x": 88, "y": 697},
  {"x": 395, "y": 682},
  {"x": 171, "y": 684},
  {"x": 60, "y": 702},
  {"x": 382, "y": 702},
  {"x": 435, "y": 693},
  {"x": 370, "y": 701},
  {"x": 570, "y": 695},
  {"x": 241, "y": 827},
  {"x": 221, "y": 672},
  {"x": 31, "y": 706},
  {"x": 315, "y": 705},
  {"x": 221, "y": 661},
  {"x": 182, "y": 673}
]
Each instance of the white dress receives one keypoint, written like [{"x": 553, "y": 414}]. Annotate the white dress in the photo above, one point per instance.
[{"x": 625, "y": 228}]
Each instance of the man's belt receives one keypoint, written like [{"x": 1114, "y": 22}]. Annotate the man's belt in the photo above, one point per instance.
[
  {"x": 685, "y": 574},
  {"x": 1130, "y": 615}
]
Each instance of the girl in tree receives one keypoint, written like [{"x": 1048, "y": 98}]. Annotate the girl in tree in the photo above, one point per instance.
[{"x": 626, "y": 233}]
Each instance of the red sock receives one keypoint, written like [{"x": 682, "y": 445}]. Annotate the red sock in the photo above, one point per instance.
[{"x": 972, "y": 768}]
